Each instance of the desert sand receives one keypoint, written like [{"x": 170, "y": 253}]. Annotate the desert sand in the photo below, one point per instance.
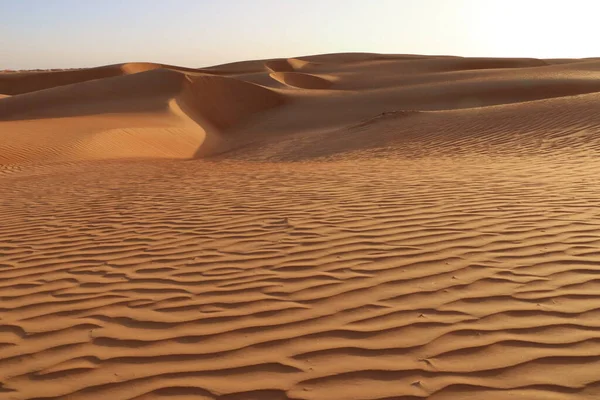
[{"x": 342, "y": 226}]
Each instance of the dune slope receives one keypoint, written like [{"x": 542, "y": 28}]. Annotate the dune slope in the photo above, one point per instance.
[
  {"x": 152, "y": 113},
  {"x": 343, "y": 226}
]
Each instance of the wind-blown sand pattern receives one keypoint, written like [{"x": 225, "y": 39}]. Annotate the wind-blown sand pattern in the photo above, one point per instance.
[{"x": 347, "y": 226}]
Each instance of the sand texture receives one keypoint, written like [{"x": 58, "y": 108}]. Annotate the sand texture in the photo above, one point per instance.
[{"x": 341, "y": 227}]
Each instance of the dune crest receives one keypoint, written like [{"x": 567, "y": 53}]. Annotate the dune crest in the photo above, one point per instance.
[
  {"x": 300, "y": 80},
  {"x": 288, "y": 65}
]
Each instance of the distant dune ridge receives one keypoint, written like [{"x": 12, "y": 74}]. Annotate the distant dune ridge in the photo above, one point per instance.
[
  {"x": 233, "y": 105},
  {"x": 342, "y": 226}
]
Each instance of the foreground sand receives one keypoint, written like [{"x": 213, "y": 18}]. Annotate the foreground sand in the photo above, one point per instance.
[{"x": 348, "y": 226}]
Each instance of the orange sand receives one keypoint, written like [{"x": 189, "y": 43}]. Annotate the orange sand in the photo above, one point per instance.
[{"x": 345, "y": 226}]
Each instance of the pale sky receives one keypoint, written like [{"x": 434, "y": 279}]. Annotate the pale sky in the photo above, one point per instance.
[{"x": 197, "y": 33}]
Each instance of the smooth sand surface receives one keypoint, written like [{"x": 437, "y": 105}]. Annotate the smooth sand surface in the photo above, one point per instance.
[{"x": 343, "y": 226}]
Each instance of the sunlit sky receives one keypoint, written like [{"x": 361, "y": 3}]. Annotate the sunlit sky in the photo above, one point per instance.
[{"x": 196, "y": 33}]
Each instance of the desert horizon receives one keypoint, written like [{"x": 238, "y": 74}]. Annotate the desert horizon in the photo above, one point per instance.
[{"x": 336, "y": 226}]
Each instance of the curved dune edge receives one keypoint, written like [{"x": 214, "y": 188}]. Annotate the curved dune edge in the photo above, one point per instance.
[
  {"x": 299, "y": 64},
  {"x": 282, "y": 65},
  {"x": 301, "y": 80},
  {"x": 288, "y": 65},
  {"x": 218, "y": 104},
  {"x": 226, "y": 101},
  {"x": 156, "y": 113}
]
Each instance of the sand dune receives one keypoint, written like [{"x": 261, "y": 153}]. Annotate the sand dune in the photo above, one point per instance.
[
  {"x": 342, "y": 226},
  {"x": 300, "y": 80},
  {"x": 287, "y": 65},
  {"x": 152, "y": 113}
]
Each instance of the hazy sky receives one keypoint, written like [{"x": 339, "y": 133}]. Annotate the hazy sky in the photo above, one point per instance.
[{"x": 195, "y": 33}]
